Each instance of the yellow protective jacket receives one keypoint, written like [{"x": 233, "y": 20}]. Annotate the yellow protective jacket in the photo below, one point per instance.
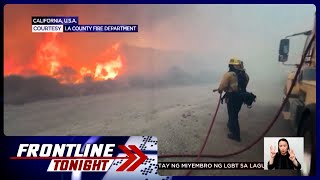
[{"x": 229, "y": 82}]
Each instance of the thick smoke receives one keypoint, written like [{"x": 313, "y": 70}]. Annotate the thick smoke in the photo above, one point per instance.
[
  {"x": 67, "y": 74},
  {"x": 176, "y": 45}
]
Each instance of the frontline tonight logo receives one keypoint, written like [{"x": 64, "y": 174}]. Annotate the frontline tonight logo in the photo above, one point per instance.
[{"x": 76, "y": 157}]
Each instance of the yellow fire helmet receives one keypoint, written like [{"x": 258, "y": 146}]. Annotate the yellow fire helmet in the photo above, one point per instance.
[{"x": 235, "y": 61}]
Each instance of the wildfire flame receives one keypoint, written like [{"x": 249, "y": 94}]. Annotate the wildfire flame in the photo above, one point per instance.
[
  {"x": 52, "y": 59},
  {"x": 49, "y": 56},
  {"x": 10, "y": 67}
]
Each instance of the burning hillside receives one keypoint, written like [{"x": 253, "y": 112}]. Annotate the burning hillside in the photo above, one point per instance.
[
  {"x": 54, "y": 72},
  {"x": 52, "y": 59}
]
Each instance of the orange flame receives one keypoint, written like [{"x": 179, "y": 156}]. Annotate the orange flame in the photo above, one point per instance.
[
  {"x": 52, "y": 60},
  {"x": 108, "y": 70},
  {"x": 10, "y": 67},
  {"x": 49, "y": 56}
]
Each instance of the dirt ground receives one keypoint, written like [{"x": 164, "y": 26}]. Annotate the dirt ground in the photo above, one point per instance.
[{"x": 178, "y": 116}]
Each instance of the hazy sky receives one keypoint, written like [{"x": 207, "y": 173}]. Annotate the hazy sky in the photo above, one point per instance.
[{"x": 218, "y": 32}]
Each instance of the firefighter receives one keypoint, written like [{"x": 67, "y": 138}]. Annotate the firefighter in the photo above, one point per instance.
[{"x": 230, "y": 85}]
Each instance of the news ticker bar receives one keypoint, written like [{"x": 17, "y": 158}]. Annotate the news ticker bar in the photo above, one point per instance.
[{"x": 211, "y": 165}]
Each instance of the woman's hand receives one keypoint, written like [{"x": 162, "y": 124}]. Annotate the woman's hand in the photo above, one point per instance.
[
  {"x": 292, "y": 156},
  {"x": 272, "y": 152}
]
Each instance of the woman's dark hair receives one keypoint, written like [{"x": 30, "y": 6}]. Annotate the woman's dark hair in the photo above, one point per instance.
[{"x": 285, "y": 140}]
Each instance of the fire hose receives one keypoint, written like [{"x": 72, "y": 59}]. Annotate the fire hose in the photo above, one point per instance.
[{"x": 199, "y": 155}]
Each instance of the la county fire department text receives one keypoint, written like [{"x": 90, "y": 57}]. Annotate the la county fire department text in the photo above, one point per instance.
[{"x": 99, "y": 28}]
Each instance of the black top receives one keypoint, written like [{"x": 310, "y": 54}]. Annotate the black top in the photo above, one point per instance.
[{"x": 283, "y": 162}]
